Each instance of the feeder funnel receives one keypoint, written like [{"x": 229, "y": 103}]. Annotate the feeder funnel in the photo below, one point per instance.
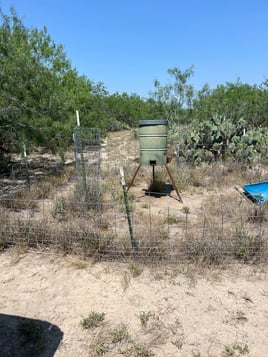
[{"x": 153, "y": 142}]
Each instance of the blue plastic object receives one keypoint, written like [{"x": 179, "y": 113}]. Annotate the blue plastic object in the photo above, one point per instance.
[{"x": 258, "y": 192}]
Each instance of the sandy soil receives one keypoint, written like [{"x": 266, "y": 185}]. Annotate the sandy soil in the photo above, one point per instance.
[{"x": 192, "y": 312}]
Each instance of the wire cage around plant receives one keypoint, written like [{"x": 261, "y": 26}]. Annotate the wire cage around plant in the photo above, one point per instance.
[{"x": 87, "y": 151}]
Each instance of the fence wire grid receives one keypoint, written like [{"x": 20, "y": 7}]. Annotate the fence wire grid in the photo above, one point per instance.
[
  {"x": 86, "y": 214},
  {"x": 160, "y": 234}
]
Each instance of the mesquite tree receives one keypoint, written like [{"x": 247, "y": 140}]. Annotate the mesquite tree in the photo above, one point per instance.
[
  {"x": 32, "y": 76},
  {"x": 176, "y": 96}
]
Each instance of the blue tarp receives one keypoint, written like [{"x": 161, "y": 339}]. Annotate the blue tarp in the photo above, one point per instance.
[{"x": 258, "y": 191}]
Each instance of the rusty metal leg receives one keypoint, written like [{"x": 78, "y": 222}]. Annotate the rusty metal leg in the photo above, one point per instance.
[
  {"x": 133, "y": 178},
  {"x": 173, "y": 183}
]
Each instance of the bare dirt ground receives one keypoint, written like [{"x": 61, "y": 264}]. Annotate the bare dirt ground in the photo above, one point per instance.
[
  {"x": 192, "y": 312},
  {"x": 179, "y": 310}
]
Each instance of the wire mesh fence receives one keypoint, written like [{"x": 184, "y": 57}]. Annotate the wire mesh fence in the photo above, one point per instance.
[
  {"x": 82, "y": 211},
  {"x": 161, "y": 233}
]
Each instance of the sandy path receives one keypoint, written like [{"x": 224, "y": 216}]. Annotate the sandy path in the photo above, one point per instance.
[{"x": 201, "y": 313}]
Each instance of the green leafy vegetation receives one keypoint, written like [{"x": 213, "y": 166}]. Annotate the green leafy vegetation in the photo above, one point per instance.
[
  {"x": 142, "y": 351},
  {"x": 145, "y": 316},
  {"x": 135, "y": 269},
  {"x": 93, "y": 320},
  {"x": 222, "y": 138},
  {"x": 40, "y": 92},
  {"x": 120, "y": 333},
  {"x": 236, "y": 350}
]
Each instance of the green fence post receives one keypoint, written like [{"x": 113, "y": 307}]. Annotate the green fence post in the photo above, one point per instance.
[{"x": 133, "y": 242}]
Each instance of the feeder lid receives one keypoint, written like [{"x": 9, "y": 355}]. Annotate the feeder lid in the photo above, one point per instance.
[{"x": 153, "y": 122}]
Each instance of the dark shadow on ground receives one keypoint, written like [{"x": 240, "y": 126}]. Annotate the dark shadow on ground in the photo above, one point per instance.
[
  {"x": 159, "y": 189},
  {"x": 25, "y": 337}
]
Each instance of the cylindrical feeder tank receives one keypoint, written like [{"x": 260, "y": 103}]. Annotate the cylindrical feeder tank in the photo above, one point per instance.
[{"x": 153, "y": 142}]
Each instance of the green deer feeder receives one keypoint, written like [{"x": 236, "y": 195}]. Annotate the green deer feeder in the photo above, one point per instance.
[
  {"x": 153, "y": 142},
  {"x": 153, "y": 147}
]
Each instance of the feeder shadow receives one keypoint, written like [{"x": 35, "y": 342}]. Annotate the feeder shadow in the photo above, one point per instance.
[
  {"x": 157, "y": 189},
  {"x": 20, "y": 336}
]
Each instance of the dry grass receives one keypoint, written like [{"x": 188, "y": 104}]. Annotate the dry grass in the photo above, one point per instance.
[{"x": 53, "y": 215}]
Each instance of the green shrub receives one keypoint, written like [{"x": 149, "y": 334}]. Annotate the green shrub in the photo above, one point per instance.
[{"x": 94, "y": 319}]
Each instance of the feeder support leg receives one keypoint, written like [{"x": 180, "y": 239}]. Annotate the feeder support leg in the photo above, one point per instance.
[
  {"x": 133, "y": 178},
  {"x": 173, "y": 183}
]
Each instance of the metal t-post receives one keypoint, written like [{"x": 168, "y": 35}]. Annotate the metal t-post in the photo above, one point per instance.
[{"x": 133, "y": 242}]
